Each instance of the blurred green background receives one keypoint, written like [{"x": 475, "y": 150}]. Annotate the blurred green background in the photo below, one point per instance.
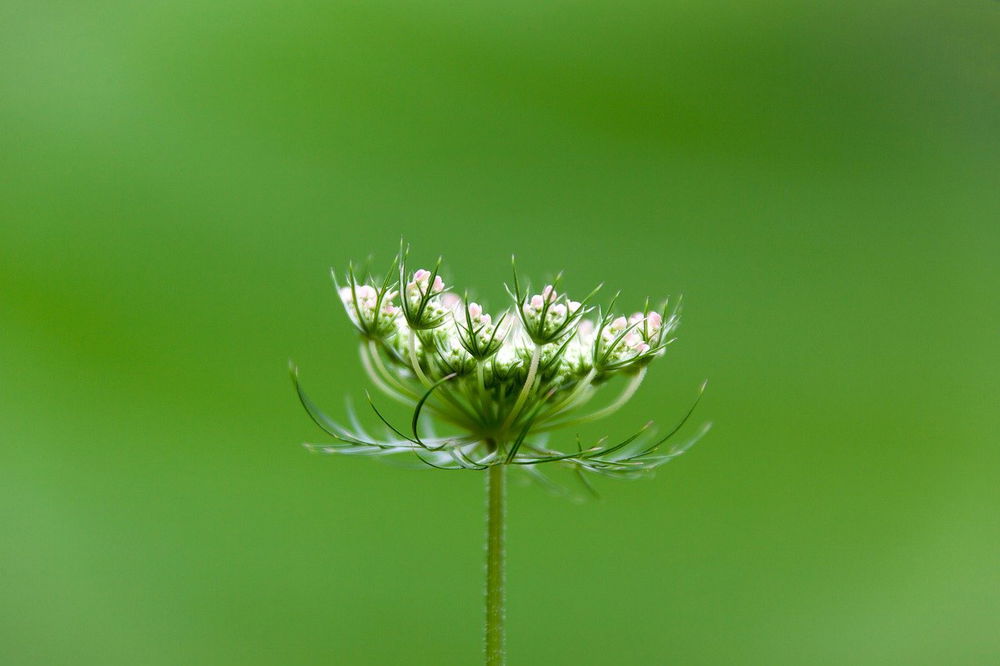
[{"x": 820, "y": 181}]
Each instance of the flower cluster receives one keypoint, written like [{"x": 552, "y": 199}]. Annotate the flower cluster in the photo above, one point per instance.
[{"x": 501, "y": 380}]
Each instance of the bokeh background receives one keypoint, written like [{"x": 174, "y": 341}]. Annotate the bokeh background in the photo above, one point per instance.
[{"x": 820, "y": 181}]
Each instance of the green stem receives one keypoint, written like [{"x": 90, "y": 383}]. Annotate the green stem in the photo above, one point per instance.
[
  {"x": 386, "y": 375},
  {"x": 630, "y": 389},
  {"x": 376, "y": 380},
  {"x": 415, "y": 363},
  {"x": 567, "y": 404},
  {"x": 463, "y": 411},
  {"x": 495, "y": 515},
  {"x": 528, "y": 382}
]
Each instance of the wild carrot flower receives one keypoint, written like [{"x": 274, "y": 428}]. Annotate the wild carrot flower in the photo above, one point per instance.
[{"x": 500, "y": 382}]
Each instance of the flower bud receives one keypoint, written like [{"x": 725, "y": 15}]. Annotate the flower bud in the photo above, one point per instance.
[
  {"x": 476, "y": 331},
  {"x": 370, "y": 309},
  {"x": 423, "y": 302}
]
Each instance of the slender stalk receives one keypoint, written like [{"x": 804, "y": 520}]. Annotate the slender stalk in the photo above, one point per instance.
[
  {"x": 386, "y": 375},
  {"x": 528, "y": 383},
  {"x": 377, "y": 381},
  {"x": 486, "y": 405},
  {"x": 463, "y": 411},
  {"x": 371, "y": 352},
  {"x": 630, "y": 389},
  {"x": 567, "y": 404},
  {"x": 415, "y": 363},
  {"x": 495, "y": 516}
]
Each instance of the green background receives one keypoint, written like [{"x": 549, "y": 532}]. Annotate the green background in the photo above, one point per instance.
[{"x": 818, "y": 179}]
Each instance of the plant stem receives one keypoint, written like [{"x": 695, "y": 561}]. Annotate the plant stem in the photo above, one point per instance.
[
  {"x": 495, "y": 516},
  {"x": 415, "y": 363},
  {"x": 630, "y": 389},
  {"x": 528, "y": 383}
]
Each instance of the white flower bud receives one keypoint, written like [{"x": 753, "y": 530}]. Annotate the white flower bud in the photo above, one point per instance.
[{"x": 361, "y": 302}]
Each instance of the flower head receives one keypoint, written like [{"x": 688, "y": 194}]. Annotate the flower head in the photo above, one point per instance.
[
  {"x": 423, "y": 296},
  {"x": 499, "y": 382},
  {"x": 477, "y": 333},
  {"x": 548, "y": 317},
  {"x": 370, "y": 308}
]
